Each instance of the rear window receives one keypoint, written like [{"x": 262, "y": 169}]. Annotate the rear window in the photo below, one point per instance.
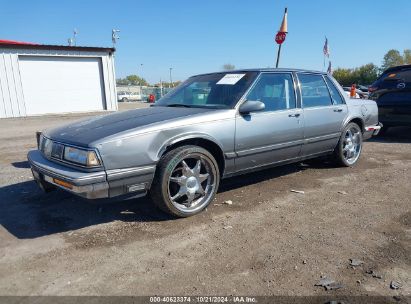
[{"x": 401, "y": 74}]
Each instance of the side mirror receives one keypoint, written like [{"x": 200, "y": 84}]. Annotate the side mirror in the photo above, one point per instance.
[{"x": 251, "y": 106}]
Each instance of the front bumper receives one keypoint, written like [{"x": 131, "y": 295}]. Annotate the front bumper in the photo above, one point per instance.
[{"x": 91, "y": 185}]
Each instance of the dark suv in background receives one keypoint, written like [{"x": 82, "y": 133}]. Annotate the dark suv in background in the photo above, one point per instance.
[{"x": 392, "y": 92}]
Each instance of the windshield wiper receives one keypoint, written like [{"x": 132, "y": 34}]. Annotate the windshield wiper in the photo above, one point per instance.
[{"x": 178, "y": 105}]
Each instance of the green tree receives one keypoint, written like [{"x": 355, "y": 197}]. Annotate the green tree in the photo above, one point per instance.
[
  {"x": 122, "y": 81},
  {"x": 344, "y": 76},
  {"x": 132, "y": 80},
  {"x": 365, "y": 74},
  {"x": 391, "y": 59},
  {"x": 407, "y": 56},
  {"x": 167, "y": 84},
  {"x": 228, "y": 67},
  {"x": 136, "y": 80}
]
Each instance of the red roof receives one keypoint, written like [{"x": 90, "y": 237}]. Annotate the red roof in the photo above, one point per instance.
[{"x": 16, "y": 42}]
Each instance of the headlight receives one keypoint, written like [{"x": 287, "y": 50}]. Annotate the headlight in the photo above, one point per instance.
[
  {"x": 46, "y": 146},
  {"x": 82, "y": 157}
]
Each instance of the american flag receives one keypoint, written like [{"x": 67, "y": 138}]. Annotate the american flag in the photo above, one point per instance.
[
  {"x": 326, "y": 50},
  {"x": 329, "y": 70}
]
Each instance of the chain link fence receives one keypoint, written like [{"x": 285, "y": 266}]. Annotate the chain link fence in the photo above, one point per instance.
[{"x": 142, "y": 92}]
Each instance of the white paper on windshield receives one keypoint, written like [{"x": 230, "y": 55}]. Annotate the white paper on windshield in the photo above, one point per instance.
[{"x": 230, "y": 79}]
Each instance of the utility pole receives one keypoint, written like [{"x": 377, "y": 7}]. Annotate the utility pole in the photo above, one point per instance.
[
  {"x": 114, "y": 36},
  {"x": 280, "y": 37},
  {"x": 72, "y": 41},
  {"x": 171, "y": 79},
  {"x": 75, "y": 32}
]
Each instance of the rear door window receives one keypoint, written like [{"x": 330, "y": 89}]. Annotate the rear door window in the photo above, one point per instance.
[
  {"x": 314, "y": 91},
  {"x": 335, "y": 94}
]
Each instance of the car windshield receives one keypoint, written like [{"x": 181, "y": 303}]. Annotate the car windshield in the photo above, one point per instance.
[{"x": 218, "y": 90}]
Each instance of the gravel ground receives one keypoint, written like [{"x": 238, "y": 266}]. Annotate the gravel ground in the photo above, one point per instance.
[{"x": 269, "y": 241}]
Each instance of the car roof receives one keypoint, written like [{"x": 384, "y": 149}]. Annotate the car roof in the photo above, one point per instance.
[
  {"x": 264, "y": 70},
  {"x": 397, "y": 68}
]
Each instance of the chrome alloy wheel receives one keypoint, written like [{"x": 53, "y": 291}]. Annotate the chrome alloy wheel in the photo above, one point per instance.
[
  {"x": 191, "y": 183},
  {"x": 352, "y": 145}
]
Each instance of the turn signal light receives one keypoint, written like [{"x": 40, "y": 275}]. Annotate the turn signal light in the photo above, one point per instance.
[{"x": 62, "y": 183}]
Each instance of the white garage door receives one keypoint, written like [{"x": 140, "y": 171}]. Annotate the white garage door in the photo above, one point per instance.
[{"x": 61, "y": 84}]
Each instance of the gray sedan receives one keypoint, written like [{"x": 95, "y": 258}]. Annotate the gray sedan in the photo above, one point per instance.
[{"x": 211, "y": 127}]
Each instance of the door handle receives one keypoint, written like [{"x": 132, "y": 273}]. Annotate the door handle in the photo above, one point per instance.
[
  {"x": 338, "y": 110},
  {"x": 294, "y": 115}
]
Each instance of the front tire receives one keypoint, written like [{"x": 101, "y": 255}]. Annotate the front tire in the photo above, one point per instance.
[
  {"x": 349, "y": 146},
  {"x": 186, "y": 181}
]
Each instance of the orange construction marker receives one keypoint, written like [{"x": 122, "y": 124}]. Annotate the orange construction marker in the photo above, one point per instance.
[{"x": 353, "y": 92}]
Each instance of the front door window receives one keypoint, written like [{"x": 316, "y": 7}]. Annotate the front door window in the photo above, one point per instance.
[{"x": 275, "y": 90}]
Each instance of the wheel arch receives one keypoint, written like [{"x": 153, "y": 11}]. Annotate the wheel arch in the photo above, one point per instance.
[
  {"x": 359, "y": 121},
  {"x": 206, "y": 142}
]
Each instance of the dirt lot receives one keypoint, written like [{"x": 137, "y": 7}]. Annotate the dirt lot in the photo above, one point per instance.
[{"x": 270, "y": 241}]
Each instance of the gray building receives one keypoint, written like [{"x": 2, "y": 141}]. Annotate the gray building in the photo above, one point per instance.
[{"x": 40, "y": 79}]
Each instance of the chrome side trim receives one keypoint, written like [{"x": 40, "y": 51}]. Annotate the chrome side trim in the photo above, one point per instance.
[
  {"x": 230, "y": 155},
  {"x": 269, "y": 148},
  {"x": 321, "y": 138},
  {"x": 115, "y": 174},
  {"x": 286, "y": 145}
]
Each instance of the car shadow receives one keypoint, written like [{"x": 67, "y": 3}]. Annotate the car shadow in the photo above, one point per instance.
[
  {"x": 27, "y": 212},
  {"x": 394, "y": 135},
  {"x": 21, "y": 165},
  {"x": 248, "y": 179}
]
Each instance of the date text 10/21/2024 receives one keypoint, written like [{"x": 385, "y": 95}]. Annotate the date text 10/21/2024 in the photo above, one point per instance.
[{"x": 203, "y": 299}]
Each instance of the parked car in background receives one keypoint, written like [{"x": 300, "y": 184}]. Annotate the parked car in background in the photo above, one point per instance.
[
  {"x": 151, "y": 98},
  {"x": 358, "y": 93},
  {"x": 210, "y": 127},
  {"x": 128, "y": 96},
  {"x": 362, "y": 88},
  {"x": 392, "y": 92}
]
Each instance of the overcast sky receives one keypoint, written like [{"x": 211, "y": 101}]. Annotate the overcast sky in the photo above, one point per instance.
[{"x": 200, "y": 36}]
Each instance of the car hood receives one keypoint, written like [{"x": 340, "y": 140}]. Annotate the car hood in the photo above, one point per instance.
[{"x": 87, "y": 131}]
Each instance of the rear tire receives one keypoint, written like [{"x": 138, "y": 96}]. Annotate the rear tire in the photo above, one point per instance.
[
  {"x": 349, "y": 146},
  {"x": 186, "y": 181},
  {"x": 124, "y": 99}
]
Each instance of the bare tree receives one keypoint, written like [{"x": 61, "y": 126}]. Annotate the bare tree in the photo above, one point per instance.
[{"x": 228, "y": 67}]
